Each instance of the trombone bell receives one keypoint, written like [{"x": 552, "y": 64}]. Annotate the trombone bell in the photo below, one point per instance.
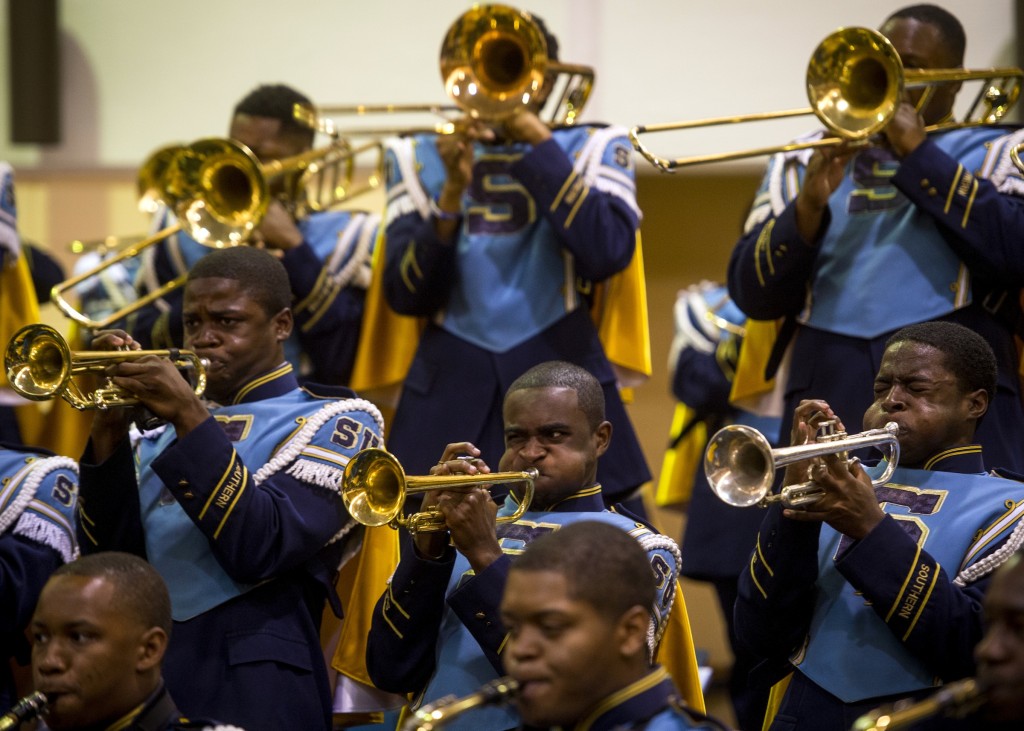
[{"x": 375, "y": 488}]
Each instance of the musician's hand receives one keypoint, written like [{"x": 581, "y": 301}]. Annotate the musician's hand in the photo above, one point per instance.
[
  {"x": 278, "y": 230},
  {"x": 471, "y": 517},
  {"x": 460, "y": 458},
  {"x": 848, "y": 504},
  {"x": 905, "y": 132},
  {"x": 525, "y": 126},
  {"x": 114, "y": 340},
  {"x": 808, "y": 416},
  {"x": 824, "y": 173},
  {"x": 456, "y": 151},
  {"x": 158, "y": 386}
]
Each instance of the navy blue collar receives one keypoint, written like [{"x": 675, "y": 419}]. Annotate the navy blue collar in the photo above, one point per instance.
[
  {"x": 585, "y": 500},
  {"x": 638, "y": 701},
  {"x": 274, "y": 383},
  {"x": 965, "y": 460}
]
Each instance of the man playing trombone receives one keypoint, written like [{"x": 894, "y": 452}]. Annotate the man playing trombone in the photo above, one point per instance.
[
  {"x": 325, "y": 252},
  {"x": 854, "y": 243},
  {"x": 866, "y": 595}
]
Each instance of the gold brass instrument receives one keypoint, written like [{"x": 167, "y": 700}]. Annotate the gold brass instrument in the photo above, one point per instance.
[
  {"x": 855, "y": 82},
  {"x": 28, "y": 708},
  {"x": 324, "y": 116},
  {"x": 219, "y": 191},
  {"x": 494, "y": 62},
  {"x": 40, "y": 365},
  {"x": 955, "y": 700},
  {"x": 375, "y": 488},
  {"x": 436, "y": 715},
  {"x": 740, "y": 462}
]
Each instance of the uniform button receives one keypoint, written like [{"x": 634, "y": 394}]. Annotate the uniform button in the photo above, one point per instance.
[
  {"x": 481, "y": 615},
  {"x": 932, "y": 191},
  {"x": 925, "y": 182}
]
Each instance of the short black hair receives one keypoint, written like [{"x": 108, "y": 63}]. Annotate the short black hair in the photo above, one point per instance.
[
  {"x": 139, "y": 589},
  {"x": 603, "y": 565},
  {"x": 562, "y": 374},
  {"x": 949, "y": 26},
  {"x": 277, "y": 101},
  {"x": 968, "y": 356},
  {"x": 261, "y": 274},
  {"x": 549, "y": 38}
]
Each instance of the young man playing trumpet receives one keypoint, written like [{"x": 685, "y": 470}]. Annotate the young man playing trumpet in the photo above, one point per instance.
[
  {"x": 436, "y": 630},
  {"x": 872, "y": 594},
  {"x": 234, "y": 500}
]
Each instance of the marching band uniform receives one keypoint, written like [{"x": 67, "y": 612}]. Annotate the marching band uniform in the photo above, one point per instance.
[
  {"x": 885, "y": 604},
  {"x": 649, "y": 704},
  {"x": 329, "y": 273},
  {"x": 437, "y": 629},
  {"x": 935, "y": 235},
  {"x": 243, "y": 520},
  {"x": 37, "y": 534},
  {"x": 540, "y": 226},
  {"x": 159, "y": 713}
]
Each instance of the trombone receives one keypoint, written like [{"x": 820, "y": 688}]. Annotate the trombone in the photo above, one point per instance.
[
  {"x": 40, "y": 365},
  {"x": 494, "y": 62},
  {"x": 375, "y": 488},
  {"x": 855, "y": 82},
  {"x": 219, "y": 191},
  {"x": 740, "y": 462}
]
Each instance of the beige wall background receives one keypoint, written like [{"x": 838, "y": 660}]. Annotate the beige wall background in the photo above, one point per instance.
[{"x": 141, "y": 74}]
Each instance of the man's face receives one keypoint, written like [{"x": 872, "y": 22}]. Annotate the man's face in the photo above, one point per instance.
[
  {"x": 916, "y": 390},
  {"x": 546, "y": 429},
  {"x": 85, "y": 654},
  {"x": 921, "y": 46},
  {"x": 1000, "y": 654},
  {"x": 264, "y": 137},
  {"x": 229, "y": 328},
  {"x": 562, "y": 652}
]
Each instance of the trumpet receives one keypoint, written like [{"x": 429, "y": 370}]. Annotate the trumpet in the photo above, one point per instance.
[
  {"x": 375, "y": 488},
  {"x": 855, "y": 82},
  {"x": 40, "y": 365},
  {"x": 436, "y": 715},
  {"x": 24, "y": 710},
  {"x": 740, "y": 462},
  {"x": 956, "y": 700}
]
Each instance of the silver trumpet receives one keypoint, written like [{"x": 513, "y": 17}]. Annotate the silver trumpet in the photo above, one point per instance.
[
  {"x": 740, "y": 462},
  {"x": 955, "y": 700},
  {"x": 24, "y": 710},
  {"x": 436, "y": 715}
]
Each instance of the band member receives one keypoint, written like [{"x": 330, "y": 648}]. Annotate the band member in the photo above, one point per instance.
[
  {"x": 234, "y": 500},
  {"x": 850, "y": 244},
  {"x": 577, "y": 609},
  {"x": 872, "y": 594},
  {"x": 326, "y": 253},
  {"x": 99, "y": 635},
  {"x": 436, "y": 630},
  {"x": 496, "y": 235},
  {"x": 38, "y": 494}
]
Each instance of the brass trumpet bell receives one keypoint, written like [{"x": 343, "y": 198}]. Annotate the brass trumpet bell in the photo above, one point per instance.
[
  {"x": 375, "y": 488},
  {"x": 741, "y": 464},
  {"x": 40, "y": 365}
]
